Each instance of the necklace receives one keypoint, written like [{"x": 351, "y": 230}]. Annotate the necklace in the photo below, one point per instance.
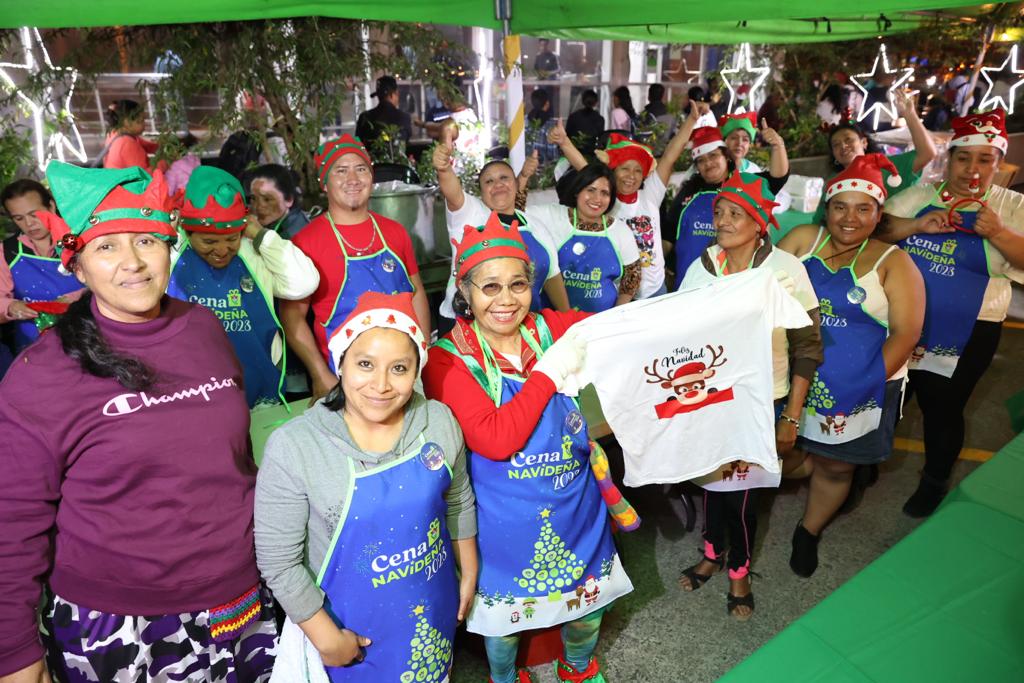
[
  {"x": 359, "y": 251},
  {"x": 844, "y": 251}
]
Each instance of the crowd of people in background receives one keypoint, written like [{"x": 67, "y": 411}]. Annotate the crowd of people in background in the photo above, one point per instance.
[{"x": 147, "y": 323}]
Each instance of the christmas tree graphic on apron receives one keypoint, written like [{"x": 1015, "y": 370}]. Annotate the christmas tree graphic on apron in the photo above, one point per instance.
[
  {"x": 546, "y": 551},
  {"x": 848, "y": 390},
  {"x": 956, "y": 274}
]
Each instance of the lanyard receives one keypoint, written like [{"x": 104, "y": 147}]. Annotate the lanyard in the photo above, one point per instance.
[
  {"x": 851, "y": 264},
  {"x": 491, "y": 365}
]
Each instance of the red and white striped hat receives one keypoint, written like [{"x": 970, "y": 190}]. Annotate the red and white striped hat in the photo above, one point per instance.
[
  {"x": 373, "y": 309},
  {"x": 864, "y": 174},
  {"x": 705, "y": 139}
]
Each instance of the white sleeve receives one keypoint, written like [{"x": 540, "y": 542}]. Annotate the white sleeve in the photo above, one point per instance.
[
  {"x": 906, "y": 204},
  {"x": 624, "y": 241},
  {"x": 292, "y": 273},
  {"x": 653, "y": 190},
  {"x": 783, "y": 310},
  {"x": 803, "y": 289},
  {"x": 552, "y": 221},
  {"x": 472, "y": 212}
]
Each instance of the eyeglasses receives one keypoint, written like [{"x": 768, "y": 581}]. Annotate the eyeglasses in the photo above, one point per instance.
[{"x": 493, "y": 289}]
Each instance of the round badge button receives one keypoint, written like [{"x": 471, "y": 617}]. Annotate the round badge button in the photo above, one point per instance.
[
  {"x": 574, "y": 422},
  {"x": 432, "y": 456},
  {"x": 388, "y": 265},
  {"x": 246, "y": 284},
  {"x": 578, "y": 248},
  {"x": 856, "y": 295}
]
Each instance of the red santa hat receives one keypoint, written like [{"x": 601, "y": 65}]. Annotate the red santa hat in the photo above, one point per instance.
[
  {"x": 491, "y": 240},
  {"x": 864, "y": 174},
  {"x": 373, "y": 309},
  {"x": 987, "y": 129},
  {"x": 688, "y": 373},
  {"x": 705, "y": 139}
]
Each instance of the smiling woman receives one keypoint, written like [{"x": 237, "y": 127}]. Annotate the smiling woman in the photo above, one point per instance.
[{"x": 121, "y": 365}]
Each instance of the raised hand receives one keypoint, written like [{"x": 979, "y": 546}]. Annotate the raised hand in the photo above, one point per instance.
[
  {"x": 904, "y": 103},
  {"x": 443, "y": 151},
  {"x": 530, "y": 166},
  {"x": 557, "y": 134},
  {"x": 770, "y": 136}
]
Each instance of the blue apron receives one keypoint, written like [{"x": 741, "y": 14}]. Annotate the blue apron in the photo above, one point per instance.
[
  {"x": 546, "y": 550},
  {"x": 381, "y": 271},
  {"x": 847, "y": 393},
  {"x": 235, "y": 297},
  {"x": 541, "y": 260},
  {"x": 591, "y": 266},
  {"x": 390, "y": 572},
  {"x": 955, "y": 270},
  {"x": 695, "y": 231},
  {"x": 36, "y": 278}
]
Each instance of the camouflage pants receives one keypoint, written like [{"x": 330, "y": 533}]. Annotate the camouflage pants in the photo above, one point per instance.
[{"x": 85, "y": 646}]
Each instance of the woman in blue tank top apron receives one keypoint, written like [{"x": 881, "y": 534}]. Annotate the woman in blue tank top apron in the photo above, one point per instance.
[
  {"x": 235, "y": 267},
  {"x": 365, "y": 517},
  {"x": 870, "y": 299}
]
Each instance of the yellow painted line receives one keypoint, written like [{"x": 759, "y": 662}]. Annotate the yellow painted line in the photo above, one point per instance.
[
  {"x": 1013, "y": 325},
  {"x": 917, "y": 446}
]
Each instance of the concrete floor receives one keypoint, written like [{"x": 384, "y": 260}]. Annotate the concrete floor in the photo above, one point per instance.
[{"x": 660, "y": 634}]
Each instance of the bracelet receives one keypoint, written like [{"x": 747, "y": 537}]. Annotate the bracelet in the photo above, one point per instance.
[{"x": 790, "y": 420}]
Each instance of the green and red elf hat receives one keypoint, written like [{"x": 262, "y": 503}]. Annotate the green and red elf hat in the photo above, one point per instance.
[
  {"x": 214, "y": 202},
  {"x": 864, "y": 174},
  {"x": 104, "y": 201},
  {"x": 746, "y": 121},
  {"x": 987, "y": 129},
  {"x": 751, "y": 193},
  {"x": 332, "y": 150},
  {"x": 374, "y": 309},
  {"x": 491, "y": 240},
  {"x": 621, "y": 149}
]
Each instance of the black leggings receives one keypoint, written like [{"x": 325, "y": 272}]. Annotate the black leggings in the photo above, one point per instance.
[
  {"x": 732, "y": 513},
  {"x": 943, "y": 400}
]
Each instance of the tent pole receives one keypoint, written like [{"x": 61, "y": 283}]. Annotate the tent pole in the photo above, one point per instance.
[{"x": 515, "y": 114}]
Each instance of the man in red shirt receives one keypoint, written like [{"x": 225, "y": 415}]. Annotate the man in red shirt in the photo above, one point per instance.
[{"x": 355, "y": 251}]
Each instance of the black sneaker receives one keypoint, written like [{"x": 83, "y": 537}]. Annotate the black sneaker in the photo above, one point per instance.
[
  {"x": 804, "y": 559},
  {"x": 925, "y": 499}
]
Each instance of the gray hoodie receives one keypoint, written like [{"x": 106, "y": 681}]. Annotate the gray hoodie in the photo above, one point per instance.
[{"x": 300, "y": 484}]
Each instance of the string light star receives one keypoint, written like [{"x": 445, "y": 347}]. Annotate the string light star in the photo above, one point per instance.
[
  {"x": 741, "y": 65},
  {"x": 990, "y": 99},
  {"x": 877, "y": 108},
  {"x": 54, "y": 130}
]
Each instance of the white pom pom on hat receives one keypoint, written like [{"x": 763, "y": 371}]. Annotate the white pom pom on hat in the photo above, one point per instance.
[{"x": 894, "y": 180}]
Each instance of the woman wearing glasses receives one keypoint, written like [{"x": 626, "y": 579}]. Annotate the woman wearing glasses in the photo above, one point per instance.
[{"x": 546, "y": 551}]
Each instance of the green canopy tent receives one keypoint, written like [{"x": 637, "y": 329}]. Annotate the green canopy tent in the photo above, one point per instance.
[{"x": 654, "y": 20}]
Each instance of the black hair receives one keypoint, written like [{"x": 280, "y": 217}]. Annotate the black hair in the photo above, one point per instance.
[
  {"x": 121, "y": 111},
  {"x": 696, "y": 93},
  {"x": 335, "y": 398},
  {"x": 572, "y": 183},
  {"x": 539, "y": 97},
  {"x": 21, "y": 187},
  {"x": 834, "y": 95},
  {"x": 82, "y": 340},
  {"x": 284, "y": 178},
  {"x": 492, "y": 162},
  {"x": 461, "y": 305},
  {"x": 869, "y": 146},
  {"x": 625, "y": 100},
  {"x": 589, "y": 99},
  {"x": 655, "y": 92}
]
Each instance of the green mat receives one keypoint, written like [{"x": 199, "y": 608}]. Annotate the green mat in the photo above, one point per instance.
[{"x": 944, "y": 604}]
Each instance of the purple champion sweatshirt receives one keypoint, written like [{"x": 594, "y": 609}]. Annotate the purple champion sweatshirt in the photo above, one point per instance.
[{"x": 134, "y": 503}]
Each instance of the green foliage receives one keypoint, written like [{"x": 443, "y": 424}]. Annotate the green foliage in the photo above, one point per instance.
[
  {"x": 15, "y": 153},
  {"x": 388, "y": 147}
]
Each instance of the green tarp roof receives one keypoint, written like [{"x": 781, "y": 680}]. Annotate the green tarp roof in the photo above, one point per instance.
[{"x": 684, "y": 21}]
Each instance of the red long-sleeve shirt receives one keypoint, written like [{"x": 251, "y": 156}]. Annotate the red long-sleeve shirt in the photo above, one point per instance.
[{"x": 495, "y": 432}]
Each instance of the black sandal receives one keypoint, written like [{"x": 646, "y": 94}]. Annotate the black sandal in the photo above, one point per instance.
[
  {"x": 734, "y": 601},
  {"x": 698, "y": 580}
]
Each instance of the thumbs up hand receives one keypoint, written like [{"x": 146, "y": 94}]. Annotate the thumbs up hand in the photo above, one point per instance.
[
  {"x": 530, "y": 165},
  {"x": 770, "y": 136},
  {"x": 557, "y": 134}
]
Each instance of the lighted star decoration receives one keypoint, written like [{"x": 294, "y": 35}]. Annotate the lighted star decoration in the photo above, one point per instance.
[
  {"x": 878, "y": 108},
  {"x": 745, "y": 73},
  {"x": 62, "y": 136},
  {"x": 992, "y": 99}
]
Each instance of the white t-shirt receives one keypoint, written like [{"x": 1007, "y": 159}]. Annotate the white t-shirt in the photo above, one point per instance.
[
  {"x": 643, "y": 218},
  {"x": 1010, "y": 207},
  {"x": 685, "y": 379},
  {"x": 698, "y": 276},
  {"x": 475, "y": 212},
  {"x": 553, "y": 220}
]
